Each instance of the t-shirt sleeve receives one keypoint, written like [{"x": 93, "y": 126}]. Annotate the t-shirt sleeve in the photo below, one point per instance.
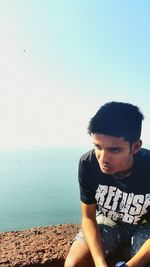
[{"x": 87, "y": 195}]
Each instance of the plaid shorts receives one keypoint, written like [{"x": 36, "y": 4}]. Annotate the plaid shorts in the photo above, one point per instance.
[{"x": 114, "y": 234}]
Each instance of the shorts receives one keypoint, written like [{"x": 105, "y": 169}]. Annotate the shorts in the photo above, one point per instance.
[{"x": 114, "y": 234}]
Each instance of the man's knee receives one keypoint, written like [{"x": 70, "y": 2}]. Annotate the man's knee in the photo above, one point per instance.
[
  {"x": 79, "y": 255},
  {"x": 78, "y": 262},
  {"x": 70, "y": 262}
]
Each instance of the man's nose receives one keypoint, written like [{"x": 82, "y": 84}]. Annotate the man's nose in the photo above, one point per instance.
[{"x": 104, "y": 157}]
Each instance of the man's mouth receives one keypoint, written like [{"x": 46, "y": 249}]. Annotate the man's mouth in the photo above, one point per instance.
[{"x": 105, "y": 166}]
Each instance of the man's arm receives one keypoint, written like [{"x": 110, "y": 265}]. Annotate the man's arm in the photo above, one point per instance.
[
  {"x": 92, "y": 235},
  {"x": 142, "y": 257}
]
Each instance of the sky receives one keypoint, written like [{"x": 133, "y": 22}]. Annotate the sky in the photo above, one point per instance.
[{"x": 60, "y": 60}]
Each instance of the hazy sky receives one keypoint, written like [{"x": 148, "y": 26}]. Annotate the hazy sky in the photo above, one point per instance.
[{"x": 60, "y": 60}]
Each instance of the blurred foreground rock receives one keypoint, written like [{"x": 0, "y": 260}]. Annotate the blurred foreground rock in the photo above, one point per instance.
[{"x": 41, "y": 246}]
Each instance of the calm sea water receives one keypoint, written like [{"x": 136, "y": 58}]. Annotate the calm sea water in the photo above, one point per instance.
[{"x": 38, "y": 188}]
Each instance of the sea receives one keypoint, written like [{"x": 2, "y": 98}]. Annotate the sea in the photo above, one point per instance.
[{"x": 39, "y": 188}]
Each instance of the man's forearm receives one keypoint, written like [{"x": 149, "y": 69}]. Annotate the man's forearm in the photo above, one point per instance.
[
  {"x": 92, "y": 237},
  {"x": 142, "y": 257}
]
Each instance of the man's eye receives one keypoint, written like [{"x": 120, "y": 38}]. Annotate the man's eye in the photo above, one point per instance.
[{"x": 115, "y": 149}]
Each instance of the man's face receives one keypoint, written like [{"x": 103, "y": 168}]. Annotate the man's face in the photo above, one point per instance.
[{"x": 114, "y": 154}]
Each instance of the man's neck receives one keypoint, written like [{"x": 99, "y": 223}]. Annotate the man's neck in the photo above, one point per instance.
[{"x": 123, "y": 174}]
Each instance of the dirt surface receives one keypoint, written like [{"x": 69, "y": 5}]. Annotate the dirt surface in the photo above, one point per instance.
[{"x": 41, "y": 246}]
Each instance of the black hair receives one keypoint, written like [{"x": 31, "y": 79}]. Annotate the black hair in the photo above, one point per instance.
[{"x": 117, "y": 119}]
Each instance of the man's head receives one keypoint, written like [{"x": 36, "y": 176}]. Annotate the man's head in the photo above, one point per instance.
[
  {"x": 117, "y": 119},
  {"x": 116, "y": 130}
]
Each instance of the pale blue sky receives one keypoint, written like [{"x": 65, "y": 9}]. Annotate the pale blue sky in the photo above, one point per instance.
[{"x": 61, "y": 60}]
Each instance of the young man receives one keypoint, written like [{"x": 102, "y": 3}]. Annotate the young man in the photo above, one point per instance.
[{"x": 114, "y": 180}]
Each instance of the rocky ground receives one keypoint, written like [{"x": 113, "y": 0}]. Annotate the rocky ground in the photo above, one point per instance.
[{"x": 41, "y": 246}]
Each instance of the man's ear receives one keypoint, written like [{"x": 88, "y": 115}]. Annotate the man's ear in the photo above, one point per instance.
[{"x": 136, "y": 146}]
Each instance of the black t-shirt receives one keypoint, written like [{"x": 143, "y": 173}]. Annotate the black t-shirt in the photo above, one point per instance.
[{"x": 125, "y": 199}]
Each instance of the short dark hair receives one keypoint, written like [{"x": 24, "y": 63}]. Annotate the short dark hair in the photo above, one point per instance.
[{"x": 117, "y": 119}]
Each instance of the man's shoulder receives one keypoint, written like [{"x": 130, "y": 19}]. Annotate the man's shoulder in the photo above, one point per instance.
[
  {"x": 142, "y": 158},
  {"x": 88, "y": 156},
  {"x": 144, "y": 153}
]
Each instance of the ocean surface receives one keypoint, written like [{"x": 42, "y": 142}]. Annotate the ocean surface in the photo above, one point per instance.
[{"x": 38, "y": 188}]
